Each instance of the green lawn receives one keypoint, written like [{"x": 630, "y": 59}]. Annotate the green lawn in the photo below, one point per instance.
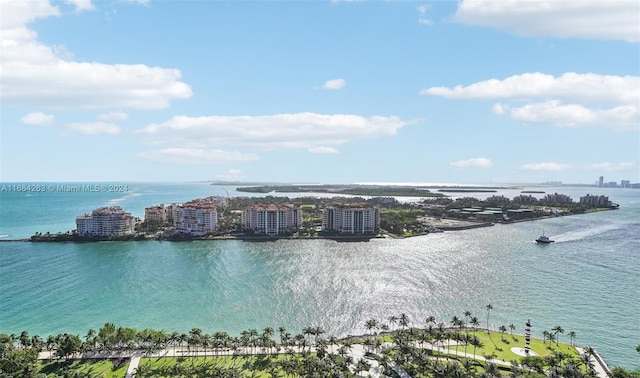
[
  {"x": 500, "y": 345},
  {"x": 94, "y": 368},
  {"x": 259, "y": 366}
]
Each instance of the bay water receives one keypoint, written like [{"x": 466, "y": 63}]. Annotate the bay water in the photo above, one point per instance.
[{"x": 586, "y": 282}]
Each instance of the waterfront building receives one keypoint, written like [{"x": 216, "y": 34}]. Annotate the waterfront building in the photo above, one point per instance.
[
  {"x": 84, "y": 224},
  {"x": 557, "y": 198},
  {"x": 597, "y": 201},
  {"x": 272, "y": 219},
  {"x": 522, "y": 199},
  {"x": 155, "y": 214},
  {"x": 351, "y": 220},
  {"x": 519, "y": 213},
  {"x": 105, "y": 221},
  {"x": 172, "y": 213},
  {"x": 196, "y": 217},
  {"x": 499, "y": 200},
  {"x": 625, "y": 183}
]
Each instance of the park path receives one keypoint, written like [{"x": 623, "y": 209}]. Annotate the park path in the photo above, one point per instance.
[
  {"x": 133, "y": 365},
  {"x": 601, "y": 369}
]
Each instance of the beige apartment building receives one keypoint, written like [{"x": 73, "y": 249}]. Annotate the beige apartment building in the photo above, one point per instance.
[{"x": 271, "y": 220}]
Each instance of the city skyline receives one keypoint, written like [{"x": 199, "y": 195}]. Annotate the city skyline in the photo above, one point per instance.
[{"x": 320, "y": 91}]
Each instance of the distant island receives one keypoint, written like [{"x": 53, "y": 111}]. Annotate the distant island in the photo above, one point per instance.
[
  {"x": 344, "y": 217},
  {"x": 354, "y": 190}
]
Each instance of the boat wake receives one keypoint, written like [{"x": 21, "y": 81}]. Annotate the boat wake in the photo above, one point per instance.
[{"x": 588, "y": 233}]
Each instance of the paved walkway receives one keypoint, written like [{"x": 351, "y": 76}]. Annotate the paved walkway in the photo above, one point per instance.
[
  {"x": 133, "y": 365},
  {"x": 601, "y": 369}
]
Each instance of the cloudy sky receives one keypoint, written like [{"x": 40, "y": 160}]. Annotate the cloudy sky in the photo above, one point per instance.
[{"x": 477, "y": 91}]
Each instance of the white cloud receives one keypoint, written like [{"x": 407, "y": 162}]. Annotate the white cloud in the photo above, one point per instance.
[
  {"x": 548, "y": 166},
  {"x": 620, "y": 118},
  {"x": 584, "y": 19},
  {"x": 570, "y": 86},
  {"x": 32, "y": 74},
  {"x": 323, "y": 150},
  {"x": 614, "y": 167},
  {"x": 138, "y": 2},
  {"x": 570, "y": 100},
  {"x": 334, "y": 84},
  {"x": 81, "y": 5},
  {"x": 196, "y": 156},
  {"x": 472, "y": 163},
  {"x": 423, "y": 19},
  {"x": 113, "y": 116},
  {"x": 93, "y": 128},
  {"x": 16, "y": 14},
  {"x": 269, "y": 132},
  {"x": 37, "y": 118}
]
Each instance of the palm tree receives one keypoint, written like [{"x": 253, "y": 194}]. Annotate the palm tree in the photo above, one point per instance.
[
  {"x": 90, "y": 338},
  {"x": 195, "y": 338},
  {"x": 467, "y": 316},
  {"x": 475, "y": 323},
  {"x": 308, "y": 331},
  {"x": 430, "y": 320},
  {"x": 393, "y": 320},
  {"x": 492, "y": 370},
  {"x": 24, "y": 339},
  {"x": 489, "y": 308},
  {"x": 586, "y": 357},
  {"x": 37, "y": 343},
  {"x": 317, "y": 332},
  {"x": 545, "y": 334},
  {"x": 282, "y": 331},
  {"x": 403, "y": 320},
  {"x": 572, "y": 336},
  {"x": 512, "y": 328},
  {"x": 267, "y": 334},
  {"x": 475, "y": 341},
  {"x": 207, "y": 341},
  {"x": 253, "y": 334},
  {"x": 557, "y": 329},
  {"x": 371, "y": 324},
  {"x": 173, "y": 340},
  {"x": 502, "y": 329},
  {"x": 552, "y": 338}
]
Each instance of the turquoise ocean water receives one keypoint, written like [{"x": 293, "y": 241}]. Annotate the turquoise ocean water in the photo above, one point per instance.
[{"x": 587, "y": 281}]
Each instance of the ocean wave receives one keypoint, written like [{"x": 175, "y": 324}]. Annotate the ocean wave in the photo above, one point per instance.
[{"x": 118, "y": 200}]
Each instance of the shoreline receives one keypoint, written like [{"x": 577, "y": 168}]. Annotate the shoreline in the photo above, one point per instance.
[
  {"x": 445, "y": 224},
  {"x": 262, "y": 238}
]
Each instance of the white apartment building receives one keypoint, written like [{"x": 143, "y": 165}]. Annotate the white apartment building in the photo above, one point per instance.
[
  {"x": 271, "y": 220},
  {"x": 351, "y": 220},
  {"x": 196, "y": 218},
  {"x": 105, "y": 221}
]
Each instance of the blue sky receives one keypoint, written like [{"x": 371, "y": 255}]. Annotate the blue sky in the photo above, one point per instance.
[{"x": 320, "y": 91}]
